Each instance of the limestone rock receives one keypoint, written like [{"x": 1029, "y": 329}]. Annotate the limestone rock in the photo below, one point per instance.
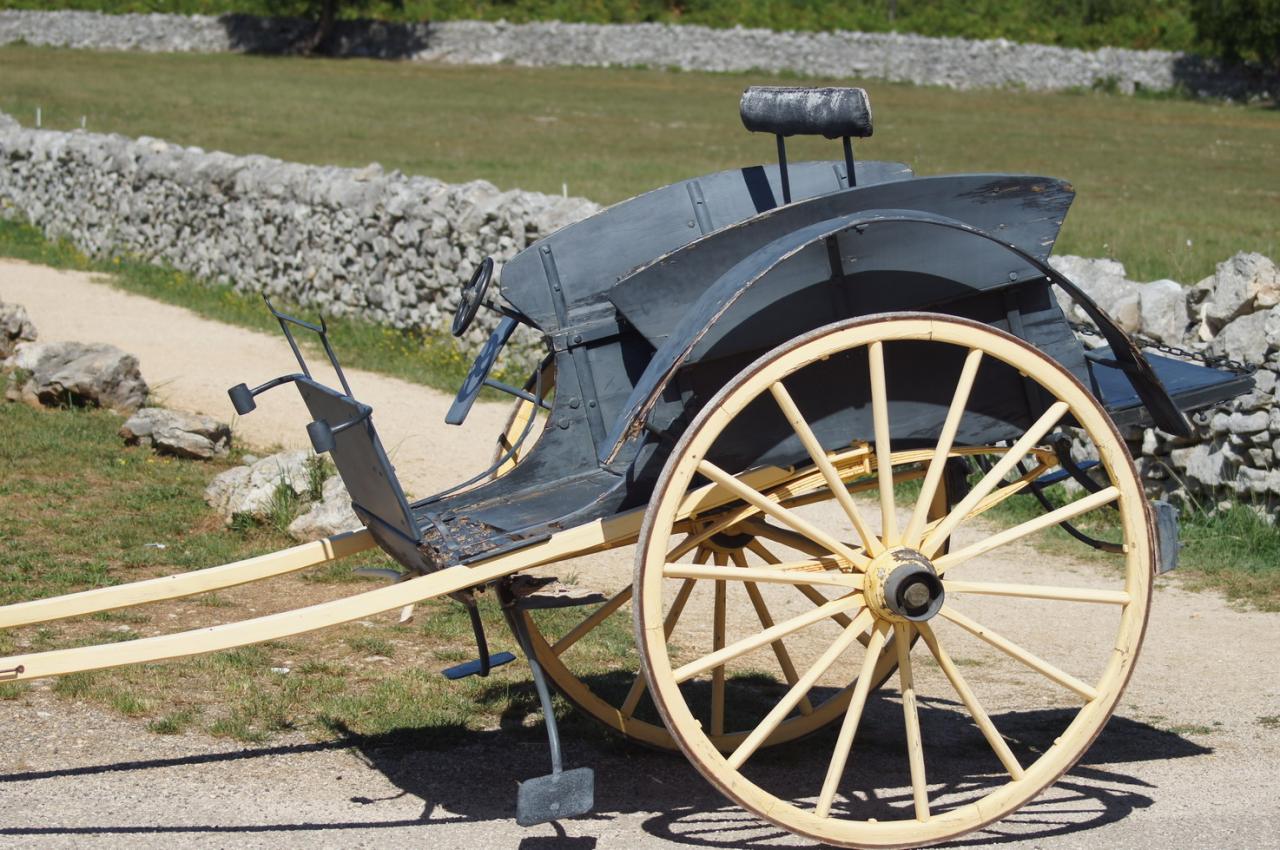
[
  {"x": 1249, "y": 338},
  {"x": 331, "y": 515},
  {"x": 15, "y": 328},
  {"x": 174, "y": 432},
  {"x": 93, "y": 374},
  {"x": 1245, "y": 283},
  {"x": 1163, "y": 308},
  {"x": 251, "y": 490},
  {"x": 1104, "y": 281},
  {"x": 1203, "y": 465}
]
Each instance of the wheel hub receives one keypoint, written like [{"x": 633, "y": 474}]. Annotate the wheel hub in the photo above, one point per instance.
[{"x": 901, "y": 585}]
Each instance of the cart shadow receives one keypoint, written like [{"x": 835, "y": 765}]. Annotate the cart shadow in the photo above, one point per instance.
[{"x": 460, "y": 776}]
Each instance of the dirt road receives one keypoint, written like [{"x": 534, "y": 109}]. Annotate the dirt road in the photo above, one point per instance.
[{"x": 1190, "y": 759}]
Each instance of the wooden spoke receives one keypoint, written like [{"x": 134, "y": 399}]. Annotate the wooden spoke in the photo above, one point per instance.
[
  {"x": 786, "y": 627},
  {"x": 781, "y": 514},
  {"x": 809, "y": 440},
  {"x": 695, "y": 540},
  {"x": 597, "y": 617},
  {"x": 668, "y": 626},
  {"x": 915, "y": 747},
  {"x": 804, "y": 572},
  {"x": 1039, "y": 591},
  {"x": 932, "y": 478},
  {"x": 884, "y": 450},
  {"x": 933, "y": 542},
  {"x": 802, "y": 687},
  {"x": 1031, "y": 526},
  {"x": 717, "y": 644},
  {"x": 1011, "y": 649},
  {"x": 806, "y": 590},
  {"x": 979, "y": 714},
  {"x": 785, "y": 537},
  {"x": 766, "y": 621},
  {"x": 852, "y": 716}
]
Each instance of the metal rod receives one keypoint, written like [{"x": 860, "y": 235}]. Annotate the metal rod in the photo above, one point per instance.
[
  {"x": 517, "y": 624},
  {"x": 518, "y": 393},
  {"x": 848, "y": 161},
  {"x": 482, "y": 645},
  {"x": 782, "y": 170}
]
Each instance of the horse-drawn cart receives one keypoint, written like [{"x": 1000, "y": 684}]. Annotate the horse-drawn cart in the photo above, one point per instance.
[{"x": 805, "y": 394}]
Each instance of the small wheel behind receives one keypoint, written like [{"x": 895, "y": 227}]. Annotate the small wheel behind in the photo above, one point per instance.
[
  {"x": 981, "y": 721},
  {"x": 568, "y": 642}
]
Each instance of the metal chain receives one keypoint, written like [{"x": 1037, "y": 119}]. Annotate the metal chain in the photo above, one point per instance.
[{"x": 1198, "y": 356}]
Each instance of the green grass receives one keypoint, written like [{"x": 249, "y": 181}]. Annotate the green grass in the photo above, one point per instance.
[
  {"x": 1169, "y": 187},
  {"x": 77, "y": 507},
  {"x": 72, "y": 496},
  {"x": 423, "y": 358}
]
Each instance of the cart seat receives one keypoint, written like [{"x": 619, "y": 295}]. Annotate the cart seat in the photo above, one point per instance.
[
  {"x": 462, "y": 530},
  {"x": 1190, "y": 385}
]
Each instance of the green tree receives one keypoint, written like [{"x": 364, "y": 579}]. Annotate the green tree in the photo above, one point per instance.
[
  {"x": 1240, "y": 29},
  {"x": 325, "y": 15}
]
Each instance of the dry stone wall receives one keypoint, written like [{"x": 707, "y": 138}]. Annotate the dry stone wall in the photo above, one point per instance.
[
  {"x": 1234, "y": 313},
  {"x": 953, "y": 62},
  {"x": 365, "y": 242}
]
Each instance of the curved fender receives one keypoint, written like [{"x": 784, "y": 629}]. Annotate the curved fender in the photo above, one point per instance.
[{"x": 973, "y": 260}]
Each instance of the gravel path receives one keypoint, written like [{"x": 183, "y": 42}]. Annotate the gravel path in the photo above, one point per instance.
[{"x": 1189, "y": 760}]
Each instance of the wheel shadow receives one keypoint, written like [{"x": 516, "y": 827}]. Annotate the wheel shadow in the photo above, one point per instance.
[{"x": 460, "y": 776}]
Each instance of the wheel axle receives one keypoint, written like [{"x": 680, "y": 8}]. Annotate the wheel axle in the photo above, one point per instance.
[{"x": 903, "y": 586}]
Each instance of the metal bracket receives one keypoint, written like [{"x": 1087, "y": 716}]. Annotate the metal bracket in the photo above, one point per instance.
[
  {"x": 562, "y": 793},
  {"x": 484, "y": 662},
  {"x": 1167, "y": 544}
]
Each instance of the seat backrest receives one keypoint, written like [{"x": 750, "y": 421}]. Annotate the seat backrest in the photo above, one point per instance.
[
  {"x": 571, "y": 271},
  {"x": 801, "y": 111},
  {"x": 368, "y": 474}
]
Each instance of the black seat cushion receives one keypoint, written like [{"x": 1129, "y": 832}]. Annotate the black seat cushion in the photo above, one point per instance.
[{"x": 788, "y": 111}]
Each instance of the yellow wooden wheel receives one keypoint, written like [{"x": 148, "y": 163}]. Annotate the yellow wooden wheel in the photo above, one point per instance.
[
  {"x": 619, "y": 699},
  {"x": 950, "y": 751}
]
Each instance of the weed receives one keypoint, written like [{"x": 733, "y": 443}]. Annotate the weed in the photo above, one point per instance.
[
  {"x": 173, "y": 723},
  {"x": 371, "y": 645},
  {"x": 128, "y": 704},
  {"x": 319, "y": 468},
  {"x": 74, "y": 685},
  {"x": 13, "y": 690},
  {"x": 283, "y": 508}
]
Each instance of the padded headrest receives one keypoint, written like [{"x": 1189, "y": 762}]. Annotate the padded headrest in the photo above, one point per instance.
[{"x": 789, "y": 111}]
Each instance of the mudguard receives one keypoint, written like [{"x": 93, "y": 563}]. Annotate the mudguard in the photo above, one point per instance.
[{"x": 769, "y": 296}]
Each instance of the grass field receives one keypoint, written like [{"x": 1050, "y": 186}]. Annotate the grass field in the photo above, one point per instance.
[
  {"x": 1169, "y": 187},
  {"x": 78, "y": 509}
]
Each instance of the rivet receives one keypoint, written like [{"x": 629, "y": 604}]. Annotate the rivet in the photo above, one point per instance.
[
  {"x": 591, "y": 404},
  {"x": 1013, "y": 275},
  {"x": 564, "y": 424},
  {"x": 577, "y": 338},
  {"x": 574, "y": 403}
]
